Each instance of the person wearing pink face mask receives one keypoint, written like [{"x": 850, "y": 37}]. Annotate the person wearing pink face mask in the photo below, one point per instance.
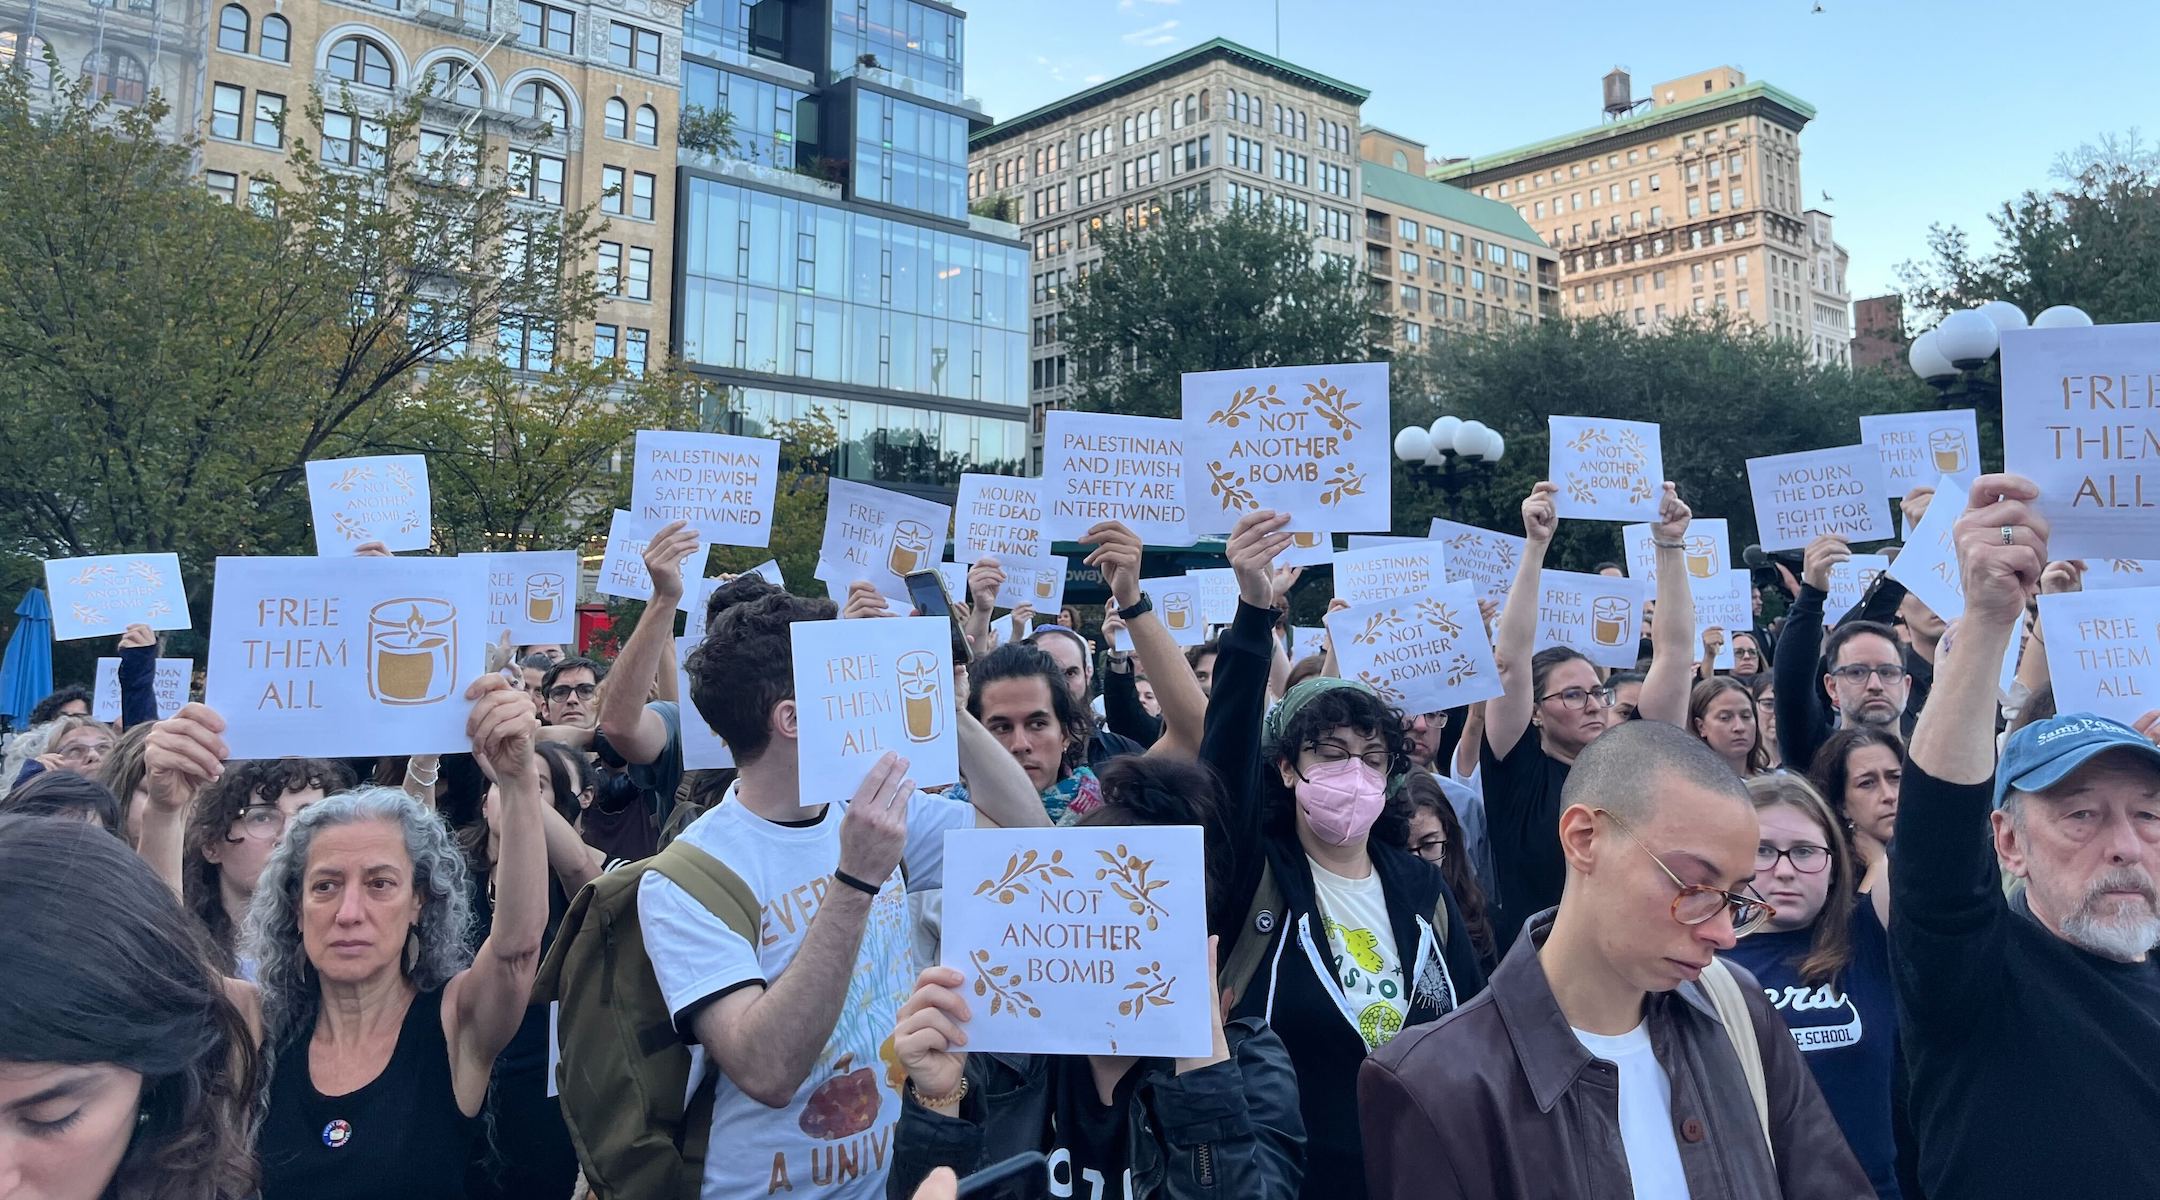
[{"x": 1330, "y": 929}]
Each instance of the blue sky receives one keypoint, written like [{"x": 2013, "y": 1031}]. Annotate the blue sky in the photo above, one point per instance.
[{"x": 1927, "y": 110}]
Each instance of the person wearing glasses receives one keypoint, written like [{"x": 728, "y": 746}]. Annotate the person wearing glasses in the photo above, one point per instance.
[
  {"x": 1863, "y": 666},
  {"x": 1555, "y": 705},
  {"x": 1599, "y": 1053},
  {"x": 566, "y": 692},
  {"x": 232, "y": 826},
  {"x": 1824, "y": 961},
  {"x": 1436, "y": 835}
]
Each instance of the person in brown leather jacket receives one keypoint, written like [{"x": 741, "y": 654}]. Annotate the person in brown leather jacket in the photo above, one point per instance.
[{"x": 1595, "y": 1065}]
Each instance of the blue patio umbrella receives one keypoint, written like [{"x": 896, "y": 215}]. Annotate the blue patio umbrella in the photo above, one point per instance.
[{"x": 26, "y": 671}]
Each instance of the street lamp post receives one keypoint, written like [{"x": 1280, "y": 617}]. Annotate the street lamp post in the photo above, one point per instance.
[
  {"x": 1951, "y": 356},
  {"x": 1449, "y": 442}
]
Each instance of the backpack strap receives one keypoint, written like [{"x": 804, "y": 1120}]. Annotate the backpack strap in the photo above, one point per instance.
[
  {"x": 1255, "y": 935},
  {"x": 1732, "y": 1010},
  {"x": 709, "y": 882}
]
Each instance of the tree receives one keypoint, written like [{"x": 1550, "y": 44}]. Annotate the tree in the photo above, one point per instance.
[
  {"x": 1185, "y": 291},
  {"x": 808, "y": 446}
]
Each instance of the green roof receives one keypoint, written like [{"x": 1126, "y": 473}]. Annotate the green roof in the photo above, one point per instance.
[
  {"x": 1405, "y": 190},
  {"x": 1183, "y": 60},
  {"x": 1628, "y": 125}
]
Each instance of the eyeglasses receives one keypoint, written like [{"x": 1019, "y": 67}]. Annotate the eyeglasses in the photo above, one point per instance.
[
  {"x": 90, "y": 753},
  {"x": 1699, "y": 903},
  {"x": 1857, "y": 673},
  {"x": 563, "y": 691},
  {"x": 1329, "y": 752},
  {"x": 263, "y": 822},
  {"x": 1806, "y": 859},
  {"x": 1432, "y": 849},
  {"x": 1577, "y": 699}
]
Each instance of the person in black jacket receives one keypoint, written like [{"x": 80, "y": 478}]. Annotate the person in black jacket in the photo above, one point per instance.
[
  {"x": 1138, "y": 1129},
  {"x": 1357, "y": 937},
  {"x": 1862, "y": 665}
]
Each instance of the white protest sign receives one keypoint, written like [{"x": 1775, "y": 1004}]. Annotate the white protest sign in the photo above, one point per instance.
[
  {"x": 879, "y": 535},
  {"x": 1812, "y": 492},
  {"x": 533, "y": 594},
  {"x": 622, "y": 566},
  {"x": 1849, "y": 582},
  {"x": 1177, "y": 601},
  {"x": 1928, "y": 563},
  {"x": 954, "y": 576},
  {"x": 719, "y": 484},
  {"x": 2081, "y": 419},
  {"x": 1217, "y": 594},
  {"x": 2100, "y": 651},
  {"x": 1486, "y": 558},
  {"x": 865, "y": 687},
  {"x": 346, "y": 657},
  {"x": 170, "y": 683},
  {"x": 101, "y": 596},
  {"x": 1098, "y": 467},
  {"x": 2103, "y": 574},
  {"x": 1081, "y": 941},
  {"x": 1597, "y": 614},
  {"x": 1422, "y": 652},
  {"x": 1920, "y": 447},
  {"x": 1606, "y": 470},
  {"x": 998, "y": 515},
  {"x": 380, "y": 499},
  {"x": 1727, "y": 603},
  {"x": 1038, "y": 582},
  {"x": 697, "y": 593},
  {"x": 1306, "y": 641},
  {"x": 1707, "y": 545},
  {"x": 1312, "y": 442},
  {"x": 1390, "y": 572},
  {"x": 1307, "y": 549},
  {"x": 702, "y": 749},
  {"x": 1366, "y": 541}
]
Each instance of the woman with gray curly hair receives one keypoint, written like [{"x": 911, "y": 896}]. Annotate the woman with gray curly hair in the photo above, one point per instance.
[{"x": 381, "y": 1029}]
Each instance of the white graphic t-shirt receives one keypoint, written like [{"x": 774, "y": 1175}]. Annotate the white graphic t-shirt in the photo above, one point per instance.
[
  {"x": 1646, "y": 1132},
  {"x": 834, "y": 1141},
  {"x": 1355, "y": 912}
]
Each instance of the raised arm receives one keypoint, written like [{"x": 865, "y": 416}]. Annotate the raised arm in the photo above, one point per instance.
[
  {"x": 138, "y": 676},
  {"x": 636, "y": 732},
  {"x": 1672, "y": 639},
  {"x": 1120, "y": 682},
  {"x": 1802, "y": 725},
  {"x": 180, "y": 758},
  {"x": 1177, "y": 690},
  {"x": 575, "y": 864},
  {"x": 997, "y": 784},
  {"x": 1955, "y": 739},
  {"x": 984, "y": 580},
  {"x": 1231, "y": 745},
  {"x": 1507, "y": 715}
]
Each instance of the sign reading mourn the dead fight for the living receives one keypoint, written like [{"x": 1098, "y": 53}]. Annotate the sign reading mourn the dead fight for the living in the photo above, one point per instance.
[
  {"x": 1313, "y": 442},
  {"x": 998, "y": 515},
  {"x": 1081, "y": 941},
  {"x": 1801, "y": 496},
  {"x": 2081, "y": 419},
  {"x": 1099, "y": 467},
  {"x": 718, "y": 484},
  {"x": 1422, "y": 651},
  {"x": 1606, "y": 469}
]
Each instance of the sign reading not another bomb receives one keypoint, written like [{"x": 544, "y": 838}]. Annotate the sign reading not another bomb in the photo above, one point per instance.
[{"x": 1309, "y": 441}]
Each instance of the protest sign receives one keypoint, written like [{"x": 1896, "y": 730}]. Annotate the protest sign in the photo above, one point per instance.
[
  {"x": 1306, "y": 641},
  {"x": 346, "y": 657},
  {"x": 1098, "y": 467},
  {"x": 865, "y": 687},
  {"x": 1390, "y": 572},
  {"x": 2081, "y": 419},
  {"x": 1038, "y": 582},
  {"x": 1727, "y": 603},
  {"x": 1920, "y": 447},
  {"x": 1707, "y": 545},
  {"x": 881, "y": 536},
  {"x": 2100, "y": 649},
  {"x": 1307, "y": 549},
  {"x": 102, "y": 595},
  {"x": 1486, "y": 558},
  {"x": 1422, "y": 652},
  {"x": 718, "y": 484},
  {"x": 380, "y": 499},
  {"x": 1217, "y": 594},
  {"x": 170, "y": 683},
  {"x": 1177, "y": 601},
  {"x": 1308, "y": 441},
  {"x": 998, "y": 515},
  {"x": 622, "y": 566},
  {"x": 702, "y": 749},
  {"x": 2103, "y": 574},
  {"x": 954, "y": 576},
  {"x": 1928, "y": 564},
  {"x": 1606, "y": 470},
  {"x": 697, "y": 594},
  {"x": 1081, "y": 941},
  {"x": 1849, "y": 582},
  {"x": 533, "y": 594},
  {"x": 1802, "y": 495},
  {"x": 1596, "y": 614}
]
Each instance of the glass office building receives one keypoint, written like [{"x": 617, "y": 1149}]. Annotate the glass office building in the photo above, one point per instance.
[{"x": 826, "y": 259}]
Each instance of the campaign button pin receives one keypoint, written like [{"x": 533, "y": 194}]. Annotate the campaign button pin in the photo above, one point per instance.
[{"x": 337, "y": 1133}]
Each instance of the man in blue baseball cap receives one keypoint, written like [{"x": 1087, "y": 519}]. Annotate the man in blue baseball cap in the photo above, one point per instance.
[{"x": 2031, "y": 1025}]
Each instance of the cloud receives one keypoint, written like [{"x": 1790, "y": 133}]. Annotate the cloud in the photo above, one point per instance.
[
  {"x": 1127, "y": 4},
  {"x": 1094, "y": 79},
  {"x": 1153, "y": 35}
]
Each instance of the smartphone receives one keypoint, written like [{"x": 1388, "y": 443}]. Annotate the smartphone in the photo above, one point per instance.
[
  {"x": 1021, "y": 1177},
  {"x": 927, "y": 590}
]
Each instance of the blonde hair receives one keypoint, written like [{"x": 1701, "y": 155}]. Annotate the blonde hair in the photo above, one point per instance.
[{"x": 1830, "y": 950}]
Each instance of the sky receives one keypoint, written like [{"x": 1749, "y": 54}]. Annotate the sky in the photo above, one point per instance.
[{"x": 1927, "y": 111}]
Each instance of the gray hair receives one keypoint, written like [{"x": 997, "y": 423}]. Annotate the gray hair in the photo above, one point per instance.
[{"x": 291, "y": 994}]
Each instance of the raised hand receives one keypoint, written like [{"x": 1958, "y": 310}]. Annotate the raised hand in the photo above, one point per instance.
[
  {"x": 664, "y": 557},
  {"x": 2001, "y": 546},
  {"x": 1823, "y": 554},
  {"x": 1117, "y": 556},
  {"x": 1915, "y": 506},
  {"x": 183, "y": 754},
  {"x": 1540, "y": 520},
  {"x": 1673, "y": 515},
  {"x": 874, "y": 832},
  {"x": 503, "y": 727},
  {"x": 984, "y": 581},
  {"x": 2060, "y": 577},
  {"x": 864, "y": 600},
  {"x": 1713, "y": 641},
  {"x": 137, "y": 635},
  {"x": 1255, "y": 543},
  {"x": 1282, "y": 580},
  {"x": 931, "y": 1031},
  {"x": 372, "y": 550}
]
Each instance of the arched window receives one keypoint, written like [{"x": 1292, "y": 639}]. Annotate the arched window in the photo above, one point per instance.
[
  {"x": 232, "y": 29},
  {"x": 118, "y": 76},
  {"x": 276, "y": 40},
  {"x": 25, "y": 52},
  {"x": 617, "y": 116},
  {"x": 455, "y": 80},
  {"x": 648, "y": 125},
  {"x": 536, "y": 99},
  {"x": 1203, "y": 102},
  {"x": 358, "y": 60}
]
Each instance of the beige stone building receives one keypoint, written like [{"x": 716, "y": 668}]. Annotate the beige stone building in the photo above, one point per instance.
[
  {"x": 1829, "y": 303},
  {"x": 581, "y": 99},
  {"x": 1216, "y": 125},
  {"x": 1442, "y": 260},
  {"x": 123, "y": 50},
  {"x": 1690, "y": 202}
]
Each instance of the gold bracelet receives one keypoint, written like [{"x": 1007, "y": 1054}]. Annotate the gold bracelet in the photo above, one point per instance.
[{"x": 951, "y": 1101}]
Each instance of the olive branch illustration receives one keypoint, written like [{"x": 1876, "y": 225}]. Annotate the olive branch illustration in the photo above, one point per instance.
[
  {"x": 401, "y": 477},
  {"x": 2127, "y": 566},
  {"x": 1462, "y": 541},
  {"x": 88, "y": 615},
  {"x": 1334, "y": 405},
  {"x": 1128, "y": 877},
  {"x": 1018, "y": 869},
  {"x": 1440, "y": 617},
  {"x": 1505, "y": 551},
  {"x": 158, "y": 609},
  {"x": 1461, "y": 668},
  {"x": 100, "y": 573},
  {"x": 1153, "y": 989},
  {"x": 1383, "y": 687},
  {"x": 1580, "y": 492},
  {"x": 1230, "y": 486},
  {"x": 353, "y": 477},
  {"x": 1245, "y": 405},
  {"x": 1632, "y": 442},
  {"x": 1002, "y": 986},
  {"x": 1375, "y": 625},
  {"x": 147, "y": 573},
  {"x": 349, "y": 527},
  {"x": 1347, "y": 481},
  {"x": 1584, "y": 439}
]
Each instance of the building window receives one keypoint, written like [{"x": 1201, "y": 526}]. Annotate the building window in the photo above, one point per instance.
[
  {"x": 1408, "y": 261},
  {"x": 608, "y": 275},
  {"x": 1408, "y": 294},
  {"x": 363, "y": 61},
  {"x": 525, "y": 343},
  {"x": 542, "y": 102},
  {"x": 641, "y": 195},
  {"x": 232, "y": 29},
  {"x": 1739, "y": 197},
  {"x": 226, "y": 103},
  {"x": 353, "y": 142},
  {"x": 633, "y": 47},
  {"x": 262, "y": 197},
  {"x": 224, "y": 185},
  {"x": 648, "y": 125},
  {"x": 455, "y": 80},
  {"x": 276, "y": 40},
  {"x": 616, "y": 118},
  {"x": 612, "y": 190},
  {"x": 605, "y": 343},
  {"x": 546, "y": 27},
  {"x": 635, "y": 344},
  {"x": 638, "y": 284},
  {"x": 269, "y": 131},
  {"x": 118, "y": 76},
  {"x": 538, "y": 176},
  {"x": 25, "y": 52}
]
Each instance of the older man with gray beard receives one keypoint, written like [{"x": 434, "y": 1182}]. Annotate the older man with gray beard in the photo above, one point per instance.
[{"x": 2032, "y": 1026}]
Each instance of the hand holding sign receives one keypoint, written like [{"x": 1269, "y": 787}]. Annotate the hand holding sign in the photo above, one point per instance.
[
  {"x": 1117, "y": 556},
  {"x": 664, "y": 556},
  {"x": 1606, "y": 470},
  {"x": 183, "y": 754},
  {"x": 1258, "y": 538},
  {"x": 2002, "y": 546},
  {"x": 931, "y": 1030},
  {"x": 1540, "y": 516},
  {"x": 873, "y": 831}
]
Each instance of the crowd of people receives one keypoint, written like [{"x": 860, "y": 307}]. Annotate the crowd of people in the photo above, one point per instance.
[{"x": 1841, "y": 920}]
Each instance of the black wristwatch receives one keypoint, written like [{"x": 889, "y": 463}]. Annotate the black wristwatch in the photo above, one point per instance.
[{"x": 1141, "y": 607}]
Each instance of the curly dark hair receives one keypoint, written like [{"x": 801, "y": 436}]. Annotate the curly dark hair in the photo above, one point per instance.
[
  {"x": 745, "y": 666},
  {"x": 1137, "y": 790},
  {"x": 1017, "y": 660},
  {"x": 245, "y": 783},
  {"x": 1353, "y": 708},
  {"x": 49, "y": 708},
  {"x": 104, "y": 967}
]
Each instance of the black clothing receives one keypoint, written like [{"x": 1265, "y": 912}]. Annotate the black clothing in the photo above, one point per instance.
[
  {"x": 1522, "y": 827},
  {"x": 1123, "y": 713}
]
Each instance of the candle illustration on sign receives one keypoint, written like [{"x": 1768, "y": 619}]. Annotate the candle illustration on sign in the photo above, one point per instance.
[
  {"x": 920, "y": 692},
  {"x": 412, "y": 651},
  {"x": 1702, "y": 557},
  {"x": 543, "y": 597},
  {"x": 1045, "y": 584},
  {"x": 1177, "y": 610},
  {"x": 910, "y": 548},
  {"x": 1948, "y": 447},
  {"x": 1608, "y": 617}
]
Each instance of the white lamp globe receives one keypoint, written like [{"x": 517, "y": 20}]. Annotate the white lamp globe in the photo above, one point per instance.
[
  {"x": 2061, "y": 316},
  {"x": 1927, "y": 361},
  {"x": 1470, "y": 439},
  {"x": 1413, "y": 445},
  {"x": 1966, "y": 338},
  {"x": 1498, "y": 447},
  {"x": 1443, "y": 434},
  {"x": 2004, "y": 314}
]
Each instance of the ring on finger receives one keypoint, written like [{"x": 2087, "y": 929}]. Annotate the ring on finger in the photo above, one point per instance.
[{"x": 2009, "y": 535}]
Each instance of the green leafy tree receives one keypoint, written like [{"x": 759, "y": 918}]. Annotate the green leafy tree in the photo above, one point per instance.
[
  {"x": 1186, "y": 291},
  {"x": 808, "y": 447}
]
